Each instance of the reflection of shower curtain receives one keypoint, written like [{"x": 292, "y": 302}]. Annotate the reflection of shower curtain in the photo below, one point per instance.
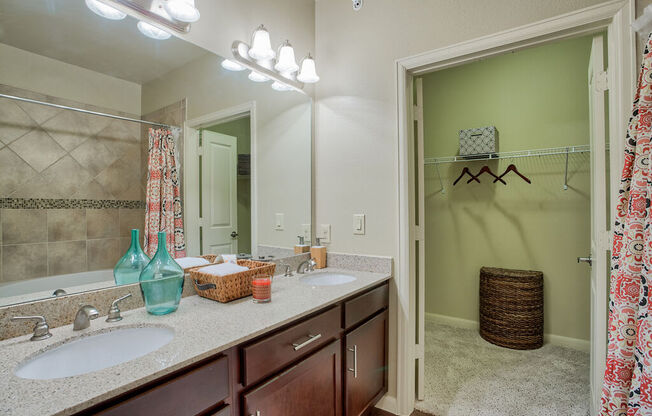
[
  {"x": 163, "y": 210},
  {"x": 628, "y": 379}
]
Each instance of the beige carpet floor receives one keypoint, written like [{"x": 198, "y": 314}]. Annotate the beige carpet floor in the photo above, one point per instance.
[{"x": 467, "y": 376}]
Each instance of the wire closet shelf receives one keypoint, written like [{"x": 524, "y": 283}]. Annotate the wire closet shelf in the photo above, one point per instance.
[{"x": 584, "y": 148}]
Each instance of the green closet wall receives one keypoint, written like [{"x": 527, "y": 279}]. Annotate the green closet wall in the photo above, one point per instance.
[
  {"x": 536, "y": 98},
  {"x": 241, "y": 128}
]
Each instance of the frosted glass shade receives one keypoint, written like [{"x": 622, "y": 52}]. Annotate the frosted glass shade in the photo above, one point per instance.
[
  {"x": 230, "y": 65},
  {"x": 286, "y": 61},
  {"x": 152, "y": 31},
  {"x": 261, "y": 46},
  {"x": 308, "y": 73},
  {"x": 182, "y": 10},
  {"x": 280, "y": 87},
  {"x": 105, "y": 10},
  {"x": 257, "y": 77}
]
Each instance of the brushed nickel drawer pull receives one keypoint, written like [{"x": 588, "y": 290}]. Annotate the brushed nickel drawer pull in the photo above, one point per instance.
[
  {"x": 311, "y": 338},
  {"x": 354, "y": 350}
]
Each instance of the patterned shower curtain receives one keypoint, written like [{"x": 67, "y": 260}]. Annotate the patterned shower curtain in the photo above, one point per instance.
[
  {"x": 627, "y": 389},
  {"x": 163, "y": 209}
]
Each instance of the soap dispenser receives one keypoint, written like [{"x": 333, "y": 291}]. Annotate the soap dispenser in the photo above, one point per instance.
[
  {"x": 318, "y": 253},
  {"x": 302, "y": 247}
]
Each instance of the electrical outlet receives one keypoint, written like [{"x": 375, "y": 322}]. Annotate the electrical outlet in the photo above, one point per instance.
[
  {"x": 325, "y": 233},
  {"x": 306, "y": 232},
  {"x": 279, "y": 224},
  {"x": 358, "y": 224}
]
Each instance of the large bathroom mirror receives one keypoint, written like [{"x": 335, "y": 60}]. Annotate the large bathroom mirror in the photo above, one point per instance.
[{"x": 73, "y": 182}]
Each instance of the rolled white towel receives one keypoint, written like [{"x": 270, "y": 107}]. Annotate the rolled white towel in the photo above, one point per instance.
[
  {"x": 230, "y": 258},
  {"x": 186, "y": 262},
  {"x": 223, "y": 269}
]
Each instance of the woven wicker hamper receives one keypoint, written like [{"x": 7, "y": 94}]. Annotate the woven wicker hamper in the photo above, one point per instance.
[{"x": 511, "y": 307}]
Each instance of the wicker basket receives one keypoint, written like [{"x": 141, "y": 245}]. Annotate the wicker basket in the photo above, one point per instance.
[
  {"x": 511, "y": 308},
  {"x": 230, "y": 287}
]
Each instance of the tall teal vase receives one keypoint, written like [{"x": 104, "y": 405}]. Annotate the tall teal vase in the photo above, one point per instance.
[
  {"x": 128, "y": 268},
  {"x": 161, "y": 281}
]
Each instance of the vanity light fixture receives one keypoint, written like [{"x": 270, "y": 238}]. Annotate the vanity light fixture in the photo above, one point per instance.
[
  {"x": 182, "y": 10},
  {"x": 259, "y": 59},
  {"x": 149, "y": 29},
  {"x": 105, "y": 10}
]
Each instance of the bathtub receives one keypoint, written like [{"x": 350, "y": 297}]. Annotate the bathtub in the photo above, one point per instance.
[{"x": 43, "y": 287}]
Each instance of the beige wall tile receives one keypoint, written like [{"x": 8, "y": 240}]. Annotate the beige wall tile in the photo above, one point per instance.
[
  {"x": 14, "y": 171},
  {"x": 24, "y": 226},
  {"x": 65, "y": 177},
  {"x": 38, "y": 149},
  {"x": 118, "y": 177},
  {"x": 94, "y": 156},
  {"x": 66, "y": 257},
  {"x": 66, "y": 224},
  {"x": 102, "y": 223},
  {"x": 129, "y": 219},
  {"x": 19, "y": 122},
  {"x": 24, "y": 261},
  {"x": 103, "y": 253}
]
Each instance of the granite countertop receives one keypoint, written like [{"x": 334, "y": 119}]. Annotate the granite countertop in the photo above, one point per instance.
[{"x": 202, "y": 328}]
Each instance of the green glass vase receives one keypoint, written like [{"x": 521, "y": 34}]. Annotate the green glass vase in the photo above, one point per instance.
[
  {"x": 161, "y": 281},
  {"x": 128, "y": 268}
]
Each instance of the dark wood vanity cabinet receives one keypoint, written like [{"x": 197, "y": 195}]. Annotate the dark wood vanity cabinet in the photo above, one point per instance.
[{"x": 331, "y": 363}]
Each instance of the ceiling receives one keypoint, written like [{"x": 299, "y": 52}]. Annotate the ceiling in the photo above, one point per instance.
[{"x": 66, "y": 30}]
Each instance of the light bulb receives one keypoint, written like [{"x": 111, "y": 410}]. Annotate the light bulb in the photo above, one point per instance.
[
  {"x": 182, "y": 10},
  {"x": 286, "y": 61},
  {"x": 308, "y": 74},
  {"x": 105, "y": 10},
  {"x": 232, "y": 65},
  {"x": 257, "y": 77},
  {"x": 261, "y": 46}
]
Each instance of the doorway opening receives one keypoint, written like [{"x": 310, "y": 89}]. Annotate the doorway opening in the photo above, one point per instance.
[{"x": 520, "y": 124}]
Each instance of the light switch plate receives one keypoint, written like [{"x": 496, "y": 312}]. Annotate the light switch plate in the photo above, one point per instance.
[
  {"x": 279, "y": 224},
  {"x": 325, "y": 233},
  {"x": 358, "y": 224},
  {"x": 305, "y": 232}
]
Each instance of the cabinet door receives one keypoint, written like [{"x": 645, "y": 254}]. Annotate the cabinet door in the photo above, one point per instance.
[
  {"x": 310, "y": 388},
  {"x": 366, "y": 365}
]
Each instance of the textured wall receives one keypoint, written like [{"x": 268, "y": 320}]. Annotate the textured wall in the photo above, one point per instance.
[{"x": 536, "y": 98}]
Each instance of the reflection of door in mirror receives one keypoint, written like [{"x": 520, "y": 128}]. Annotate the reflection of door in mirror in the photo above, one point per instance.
[{"x": 225, "y": 191}]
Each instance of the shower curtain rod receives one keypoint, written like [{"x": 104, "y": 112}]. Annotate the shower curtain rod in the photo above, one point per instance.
[{"x": 81, "y": 110}]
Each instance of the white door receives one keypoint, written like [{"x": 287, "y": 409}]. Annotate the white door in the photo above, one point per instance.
[
  {"x": 219, "y": 202},
  {"x": 599, "y": 233}
]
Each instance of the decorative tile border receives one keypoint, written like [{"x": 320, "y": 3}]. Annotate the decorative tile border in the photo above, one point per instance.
[{"x": 43, "y": 203}]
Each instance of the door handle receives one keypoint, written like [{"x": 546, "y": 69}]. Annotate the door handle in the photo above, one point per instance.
[
  {"x": 354, "y": 350},
  {"x": 234, "y": 234},
  {"x": 585, "y": 260}
]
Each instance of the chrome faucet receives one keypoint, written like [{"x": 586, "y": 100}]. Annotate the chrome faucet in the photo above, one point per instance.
[
  {"x": 309, "y": 266},
  {"x": 41, "y": 330},
  {"x": 84, "y": 316},
  {"x": 288, "y": 270}
]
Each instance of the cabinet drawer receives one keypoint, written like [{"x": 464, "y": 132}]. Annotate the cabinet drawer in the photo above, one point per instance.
[
  {"x": 274, "y": 352},
  {"x": 186, "y": 395},
  {"x": 358, "y": 309},
  {"x": 225, "y": 411}
]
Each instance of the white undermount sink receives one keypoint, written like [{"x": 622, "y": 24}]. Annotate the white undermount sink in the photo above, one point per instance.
[
  {"x": 327, "y": 279},
  {"x": 94, "y": 352}
]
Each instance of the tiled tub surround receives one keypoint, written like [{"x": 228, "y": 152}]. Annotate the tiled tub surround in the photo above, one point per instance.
[
  {"x": 47, "y": 242},
  {"x": 202, "y": 328}
]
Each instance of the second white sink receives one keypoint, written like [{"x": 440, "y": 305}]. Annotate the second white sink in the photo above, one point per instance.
[
  {"x": 327, "y": 279},
  {"x": 94, "y": 353}
]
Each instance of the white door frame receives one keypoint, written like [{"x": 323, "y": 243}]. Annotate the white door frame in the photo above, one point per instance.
[
  {"x": 615, "y": 17},
  {"x": 191, "y": 176}
]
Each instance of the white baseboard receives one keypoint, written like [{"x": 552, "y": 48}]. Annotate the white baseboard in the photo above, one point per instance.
[
  {"x": 388, "y": 404},
  {"x": 574, "y": 343}
]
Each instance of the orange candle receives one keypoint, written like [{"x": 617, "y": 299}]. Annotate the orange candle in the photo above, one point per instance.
[{"x": 261, "y": 288}]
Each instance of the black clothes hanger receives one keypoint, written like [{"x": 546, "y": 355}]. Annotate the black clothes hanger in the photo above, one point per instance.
[
  {"x": 487, "y": 169},
  {"x": 512, "y": 168},
  {"x": 466, "y": 171}
]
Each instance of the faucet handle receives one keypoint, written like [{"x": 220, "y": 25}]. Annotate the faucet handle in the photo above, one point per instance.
[
  {"x": 288, "y": 272},
  {"x": 41, "y": 329},
  {"x": 114, "y": 311}
]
